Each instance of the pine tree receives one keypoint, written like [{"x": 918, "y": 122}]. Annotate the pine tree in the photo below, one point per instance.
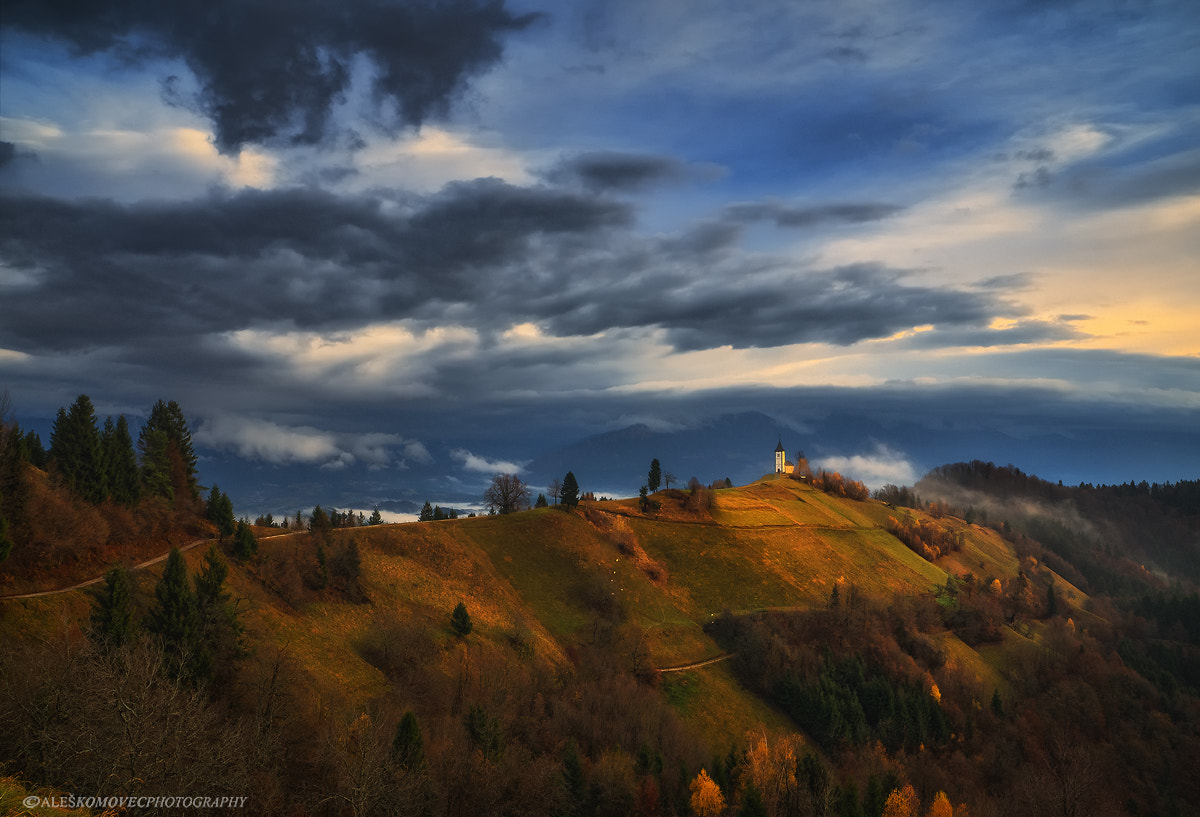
[
  {"x": 173, "y": 617},
  {"x": 210, "y": 582},
  {"x": 541, "y": 501},
  {"x": 569, "y": 493},
  {"x": 120, "y": 461},
  {"x": 654, "y": 478},
  {"x": 14, "y": 489},
  {"x": 220, "y": 512},
  {"x": 460, "y": 620},
  {"x": 112, "y": 618},
  {"x": 217, "y": 625},
  {"x": 408, "y": 747},
  {"x": 76, "y": 451},
  {"x": 426, "y": 513},
  {"x": 245, "y": 543},
  {"x": 32, "y": 449},
  {"x": 319, "y": 522},
  {"x": 154, "y": 447},
  {"x": 168, "y": 458},
  {"x": 376, "y": 518}
]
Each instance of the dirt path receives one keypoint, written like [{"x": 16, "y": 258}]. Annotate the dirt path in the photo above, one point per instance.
[
  {"x": 100, "y": 578},
  {"x": 697, "y": 664}
]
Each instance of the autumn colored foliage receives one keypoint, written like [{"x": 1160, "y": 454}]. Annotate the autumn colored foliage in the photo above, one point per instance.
[{"x": 926, "y": 537}]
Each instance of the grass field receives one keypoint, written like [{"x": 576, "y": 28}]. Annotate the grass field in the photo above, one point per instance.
[{"x": 557, "y": 577}]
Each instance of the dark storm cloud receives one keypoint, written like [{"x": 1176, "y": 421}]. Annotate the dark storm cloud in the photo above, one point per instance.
[
  {"x": 611, "y": 171},
  {"x": 483, "y": 254},
  {"x": 788, "y": 215},
  {"x": 841, "y": 306},
  {"x": 8, "y": 152},
  {"x": 269, "y": 70},
  {"x": 106, "y": 273}
]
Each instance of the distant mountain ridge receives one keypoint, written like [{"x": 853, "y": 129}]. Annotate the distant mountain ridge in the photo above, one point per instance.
[{"x": 739, "y": 446}]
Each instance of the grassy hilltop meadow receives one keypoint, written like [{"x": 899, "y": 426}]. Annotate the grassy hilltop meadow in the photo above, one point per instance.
[{"x": 771, "y": 648}]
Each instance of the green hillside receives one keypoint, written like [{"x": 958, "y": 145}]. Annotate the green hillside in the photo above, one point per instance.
[
  {"x": 576, "y": 612},
  {"x": 559, "y": 578}
]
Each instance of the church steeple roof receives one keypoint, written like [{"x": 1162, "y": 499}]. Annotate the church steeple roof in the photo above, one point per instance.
[{"x": 779, "y": 447}]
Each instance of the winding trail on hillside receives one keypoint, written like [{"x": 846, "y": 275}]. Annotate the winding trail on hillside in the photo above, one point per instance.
[
  {"x": 100, "y": 578},
  {"x": 697, "y": 664}
]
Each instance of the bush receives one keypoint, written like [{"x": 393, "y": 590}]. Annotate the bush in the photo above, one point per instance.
[{"x": 460, "y": 620}]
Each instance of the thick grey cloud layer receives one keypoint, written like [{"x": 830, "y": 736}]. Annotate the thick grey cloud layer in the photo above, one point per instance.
[
  {"x": 748, "y": 174},
  {"x": 271, "y": 70},
  {"x": 484, "y": 254}
]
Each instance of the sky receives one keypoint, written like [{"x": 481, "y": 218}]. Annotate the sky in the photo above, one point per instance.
[{"x": 381, "y": 249}]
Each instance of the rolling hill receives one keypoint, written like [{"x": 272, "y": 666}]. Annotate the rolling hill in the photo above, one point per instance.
[{"x": 575, "y": 612}]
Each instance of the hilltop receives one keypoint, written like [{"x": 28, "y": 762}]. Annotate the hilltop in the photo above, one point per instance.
[{"x": 878, "y": 661}]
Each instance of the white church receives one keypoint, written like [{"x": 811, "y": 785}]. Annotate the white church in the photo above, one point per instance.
[{"x": 782, "y": 466}]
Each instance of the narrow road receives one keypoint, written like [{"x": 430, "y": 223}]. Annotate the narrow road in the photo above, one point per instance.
[
  {"x": 697, "y": 664},
  {"x": 100, "y": 578}
]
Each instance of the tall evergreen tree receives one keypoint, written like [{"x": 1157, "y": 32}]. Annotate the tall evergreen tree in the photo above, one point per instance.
[
  {"x": 245, "y": 543},
  {"x": 569, "y": 492},
  {"x": 166, "y": 438},
  {"x": 408, "y": 746},
  {"x": 14, "y": 487},
  {"x": 35, "y": 451},
  {"x": 76, "y": 451},
  {"x": 216, "y": 623},
  {"x": 210, "y": 582},
  {"x": 426, "y": 513},
  {"x": 155, "y": 448},
  {"x": 654, "y": 478},
  {"x": 376, "y": 518},
  {"x": 120, "y": 463},
  {"x": 174, "y": 616},
  {"x": 220, "y": 512},
  {"x": 112, "y": 618},
  {"x": 319, "y": 522}
]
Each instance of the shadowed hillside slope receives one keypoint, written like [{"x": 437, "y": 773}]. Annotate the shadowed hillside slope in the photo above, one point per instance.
[{"x": 843, "y": 640}]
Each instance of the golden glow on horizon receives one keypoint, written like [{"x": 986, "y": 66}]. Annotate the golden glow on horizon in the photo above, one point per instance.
[
  {"x": 252, "y": 167},
  {"x": 434, "y": 157},
  {"x": 381, "y": 355}
]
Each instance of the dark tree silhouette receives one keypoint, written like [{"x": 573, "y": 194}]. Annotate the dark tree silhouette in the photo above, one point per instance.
[
  {"x": 569, "y": 492},
  {"x": 508, "y": 493},
  {"x": 460, "y": 620},
  {"x": 112, "y": 618},
  {"x": 76, "y": 451}
]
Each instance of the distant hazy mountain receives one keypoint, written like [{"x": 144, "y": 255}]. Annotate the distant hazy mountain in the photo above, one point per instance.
[{"x": 738, "y": 446}]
